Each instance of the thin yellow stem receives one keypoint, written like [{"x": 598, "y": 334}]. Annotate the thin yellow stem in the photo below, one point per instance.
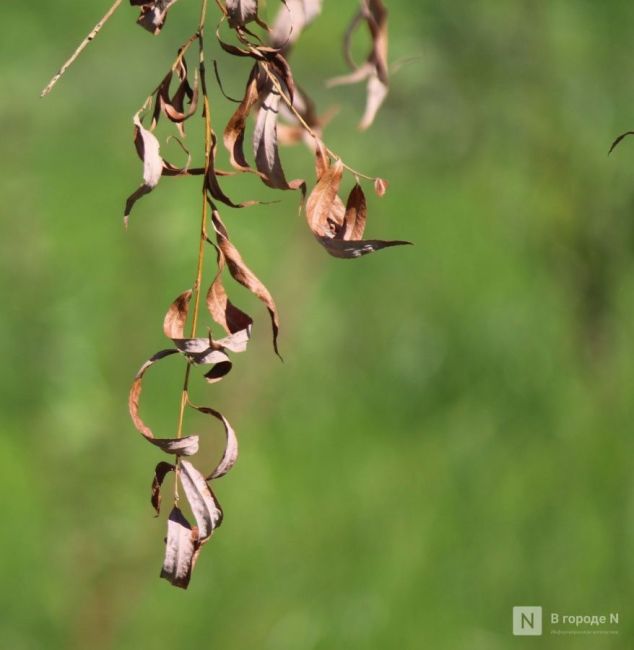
[
  {"x": 184, "y": 401},
  {"x": 82, "y": 46}
]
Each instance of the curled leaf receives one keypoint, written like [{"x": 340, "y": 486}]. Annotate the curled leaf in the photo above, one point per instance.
[
  {"x": 187, "y": 446},
  {"x": 161, "y": 471},
  {"x": 173, "y": 105},
  {"x": 153, "y": 14},
  {"x": 201, "y": 499},
  {"x": 149, "y": 151},
  {"x": 321, "y": 211},
  {"x": 375, "y": 69},
  {"x": 230, "y": 455},
  {"x": 337, "y": 228},
  {"x": 236, "y": 127},
  {"x": 265, "y": 147},
  {"x": 243, "y": 274},
  {"x": 181, "y": 546},
  {"x": 176, "y": 317},
  {"x": 206, "y": 352},
  {"x": 292, "y": 18},
  {"x": 241, "y": 12},
  {"x": 620, "y": 139}
]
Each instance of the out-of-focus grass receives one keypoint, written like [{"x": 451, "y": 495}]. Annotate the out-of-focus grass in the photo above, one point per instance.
[{"x": 450, "y": 434}]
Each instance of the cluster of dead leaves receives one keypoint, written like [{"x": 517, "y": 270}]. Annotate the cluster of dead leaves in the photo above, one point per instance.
[{"x": 274, "y": 110}]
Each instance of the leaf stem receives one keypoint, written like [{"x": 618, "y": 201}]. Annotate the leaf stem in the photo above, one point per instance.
[
  {"x": 203, "y": 234},
  {"x": 82, "y": 46}
]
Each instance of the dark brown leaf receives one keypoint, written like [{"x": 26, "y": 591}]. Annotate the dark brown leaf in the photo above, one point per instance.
[
  {"x": 181, "y": 546},
  {"x": 161, "y": 471},
  {"x": 353, "y": 249},
  {"x": 356, "y": 214},
  {"x": 619, "y": 140}
]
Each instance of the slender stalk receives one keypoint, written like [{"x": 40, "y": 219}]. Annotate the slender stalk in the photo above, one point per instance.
[
  {"x": 184, "y": 401},
  {"x": 82, "y": 46}
]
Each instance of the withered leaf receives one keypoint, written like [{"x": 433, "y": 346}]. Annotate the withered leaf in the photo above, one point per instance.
[
  {"x": 206, "y": 352},
  {"x": 201, "y": 499},
  {"x": 375, "y": 69},
  {"x": 187, "y": 446},
  {"x": 149, "y": 151},
  {"x": 153, "y": 14},
  {"x": 292, "y": 18},
  {"x": 353, "y": 249},
  {"x": 356, "y": 214},
  {"x": 337, "y": 228},
  {"x": 322, "y": 200},
  {"x": 619, "y": 140},
  {"x": 265, "y": 148},
  {"x": 176, "y": 317},
  {"x": 173, "y": 105},
  {"x": 243, "y": 274},
  {"x": 236, "y": 127},
  {"x": 181, "y": 546},
  {"x": 161, "y": 471},
  {"x": 230, "y": 455},
  {"x": 241, "y": 12}
]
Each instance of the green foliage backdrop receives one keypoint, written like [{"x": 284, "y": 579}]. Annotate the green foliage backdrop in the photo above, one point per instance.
[{"x": 451, "y": 432}]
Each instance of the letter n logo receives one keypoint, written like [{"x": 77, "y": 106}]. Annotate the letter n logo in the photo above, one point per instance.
[{"x": 527, "y": 621}]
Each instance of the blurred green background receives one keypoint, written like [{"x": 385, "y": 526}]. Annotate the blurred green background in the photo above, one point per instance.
[{"x": 450, "y": 433}]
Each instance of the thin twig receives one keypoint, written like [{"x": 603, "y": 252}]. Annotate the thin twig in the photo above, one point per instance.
[
  {"x": 82, "y": 46},
  {"x": 203, "y": 235}
]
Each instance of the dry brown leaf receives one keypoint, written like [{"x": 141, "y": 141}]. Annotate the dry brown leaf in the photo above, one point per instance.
[
  {"x": 375, "y": 69},
  {"x": 187, "y": 446},
  {"x": 230, "y": 455},
  {"x": 356, "y": 214},
  {"x": 176, "y": 317},
  {"x": 265, "y": 148},
  {"x": 242, "y": 12},
  {"x": 292, "y": 18},
  {"x": 181, "y": 546},
  {"x": 153, "y": 14},
  {"x": 149, "y": 151},
  {"x": 201, "y": 499},
  {"x": 161, "y": 471},
  {"x": 353, "y": 249},
  {"x": 236, "y": 127},
  {"x": 338, "y": 228},
  {"x": 243, "y": 274},
  {"x": 173, "y": 105},
  {"x": 322, "y": 200}
]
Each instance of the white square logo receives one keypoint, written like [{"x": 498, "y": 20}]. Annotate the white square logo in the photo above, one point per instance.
[{"x": 527, "y": 621}]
